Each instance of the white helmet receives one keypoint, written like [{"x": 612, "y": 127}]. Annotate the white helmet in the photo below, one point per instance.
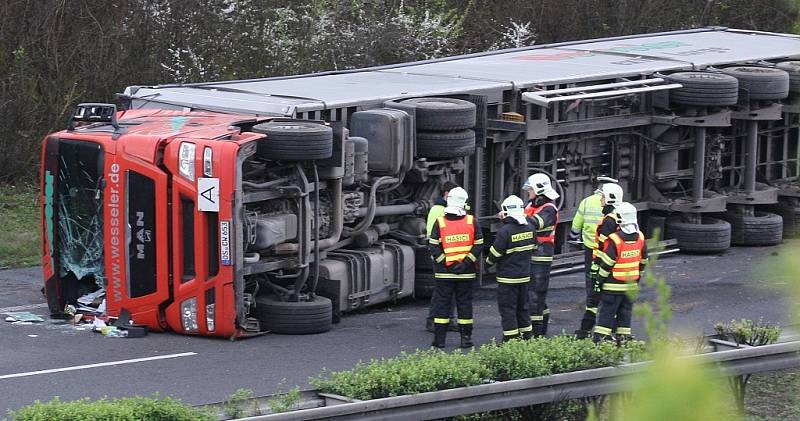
[
  {"x": 514, "y": 207},
  {"x": 541, "y": 185},
  {"x": 626, "y": 217},
  {"x": 456, "y": 201},
  {"x": 612, "y": 193}
]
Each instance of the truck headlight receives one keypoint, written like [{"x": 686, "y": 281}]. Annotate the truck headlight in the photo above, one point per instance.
[
  {"x": 207, "y": 166},
  {"x": 210, "y": 317},
  {"x": 186, "y": 160},
  {"x": 189, "y": 315}
]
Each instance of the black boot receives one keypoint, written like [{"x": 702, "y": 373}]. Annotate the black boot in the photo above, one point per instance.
[
  {"x": 538, "y": 329},
  {"x": 439, "y": 335},
  {"x": 527, "y": 335},
  {"x": 507, "y": 338},
  {"x": 597, "y": 337},
  {"x": 587, "y": 322},
  {"x": 466, "y": 336},
  {"x": 622, "y": 339},
  {"x": 429, "y": 325}
]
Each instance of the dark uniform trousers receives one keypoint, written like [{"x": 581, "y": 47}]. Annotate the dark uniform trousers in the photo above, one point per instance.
[
  {"x": 540, "y": 313},
  {"x": 592, "y": 298},
  {"x": 615, "y": 314},
  {"x": 512, "y": 301},
  {"x": 443, "y": 302}
]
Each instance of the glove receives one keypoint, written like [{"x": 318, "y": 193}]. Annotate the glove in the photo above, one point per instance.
[
  {"x": 597, "y": 287},
  {"x": 573, "y": 236},
  {"x": 459, "y": 267}
]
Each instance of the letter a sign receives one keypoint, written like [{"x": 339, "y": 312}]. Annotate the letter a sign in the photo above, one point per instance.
[{"x": 208, "y": 194}]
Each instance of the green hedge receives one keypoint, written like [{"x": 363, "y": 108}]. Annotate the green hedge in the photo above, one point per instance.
[
  {"x": 117, "y": 409},
  {"x": 431, "y": 370}
]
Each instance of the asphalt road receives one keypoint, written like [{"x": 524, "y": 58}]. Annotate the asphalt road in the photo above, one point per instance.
[{"x": 39, "y": 361}]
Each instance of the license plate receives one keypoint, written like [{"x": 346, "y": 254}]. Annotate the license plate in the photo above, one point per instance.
[{"x": 225, "y": 242}]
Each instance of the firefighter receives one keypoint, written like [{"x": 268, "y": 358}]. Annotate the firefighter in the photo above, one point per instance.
[
  {"x": 610, "y": 194},
  {"x": 584, "y": 226},
  {"x": 620, "y": 263},
  {"x": 543, "y": 215},
  {"x": 435, "y": 212},
  {"x": 455, "y": 243},
  {"x": 512, "y": 251}
]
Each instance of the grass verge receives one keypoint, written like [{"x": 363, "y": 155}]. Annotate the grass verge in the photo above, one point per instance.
[{"x": 19, "y": 219}]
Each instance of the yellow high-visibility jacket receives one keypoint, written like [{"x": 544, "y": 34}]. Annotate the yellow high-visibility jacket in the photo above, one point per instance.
[{"x": 590, "y": 213}]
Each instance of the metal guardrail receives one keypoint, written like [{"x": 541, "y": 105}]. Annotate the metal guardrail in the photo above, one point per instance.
[{"x": 520, "y": 393}]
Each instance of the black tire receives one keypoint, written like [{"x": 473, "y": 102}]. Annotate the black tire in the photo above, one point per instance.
[
  {"x": 712, "y": 235},
  {"x": 294, "y": 141},
  {"x": 791, "y": 218},
  {"x": 424, "y": 283},
  {"x": 443, "y": 114},
  {"x": 760, "y": 83},
  {"x": 761, "y": 229},
  {"x": 704, "y": 89},
  {"x": 445, "y": 144},
  {"x": 793, "y": 69},
  {"x": 294, "y": 318}
]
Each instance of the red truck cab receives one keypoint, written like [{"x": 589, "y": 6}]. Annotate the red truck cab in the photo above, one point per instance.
[{"x": 140, "y": 203}]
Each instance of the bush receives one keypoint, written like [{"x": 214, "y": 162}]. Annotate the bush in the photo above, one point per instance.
[
  {"x": 117, "y": 409},
  {"x": 431, "y": 370},
  {"x": 748, "y": 332},
  {"x": 421, "y": 371}
]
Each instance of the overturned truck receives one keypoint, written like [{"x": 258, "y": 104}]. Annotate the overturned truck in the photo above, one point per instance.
[{"x": 274, "y": 205}]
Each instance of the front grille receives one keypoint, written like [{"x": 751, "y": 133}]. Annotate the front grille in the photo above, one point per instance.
[{"x": 142, "y": 246}]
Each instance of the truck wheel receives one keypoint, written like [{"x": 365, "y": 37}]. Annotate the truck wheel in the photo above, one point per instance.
[
  {"x": 443, "y": 114},
  {"x": 424, "y": 283},
  {"x": 791, "y": 218},
  {"x": 445, "y": 144},
  {"x": 793, "y": 69},
  {"x": 294, "y": 318},
  {"x": 764, "y": 83},
  {"x": 712, "y": 235},
  {"x": 294, "y": 141},
  {"x": 704, "y": 89},
  {"x": 761, "y": 229}
]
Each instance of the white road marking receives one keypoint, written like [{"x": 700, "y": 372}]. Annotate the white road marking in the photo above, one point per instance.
[
  {"x": 83, "y": 367},
  {"x": 23, "y": 308}
]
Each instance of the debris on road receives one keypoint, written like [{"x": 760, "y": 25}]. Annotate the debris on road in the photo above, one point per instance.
[{"x": 23, "y": 316}]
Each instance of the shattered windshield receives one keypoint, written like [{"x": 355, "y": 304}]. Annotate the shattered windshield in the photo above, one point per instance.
[{"x": 80, "y": 210}]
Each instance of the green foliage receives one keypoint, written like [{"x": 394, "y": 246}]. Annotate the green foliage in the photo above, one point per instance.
[
  {"x": 431, "y": 370},
  {"x": 19, "y": 217},
  {"x": 675, "y": 389},
  {"x": 748, "y": 332},
  {"x": 421, "y": 371},
  {"x": 670, "y": 388},
  {"x": 546, "y": 356},
  {"x": 656, "y": 318},
  {"x": 285, "y": 401},
  {"x": 234, "y": 406},
  {"x": 117, "y": 409}
]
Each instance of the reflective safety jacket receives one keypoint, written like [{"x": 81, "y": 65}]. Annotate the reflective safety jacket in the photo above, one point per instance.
[
  {"x": 607, "y": 226},
  {"x": 512, "y": 251},
  {"x": 587, "y": 219},
  {"x": 543, "y": 215},
  {"x": 621, "y": 261},
  {"x": 455, "y": 239},
  {"x": 436, "y": 211}
]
